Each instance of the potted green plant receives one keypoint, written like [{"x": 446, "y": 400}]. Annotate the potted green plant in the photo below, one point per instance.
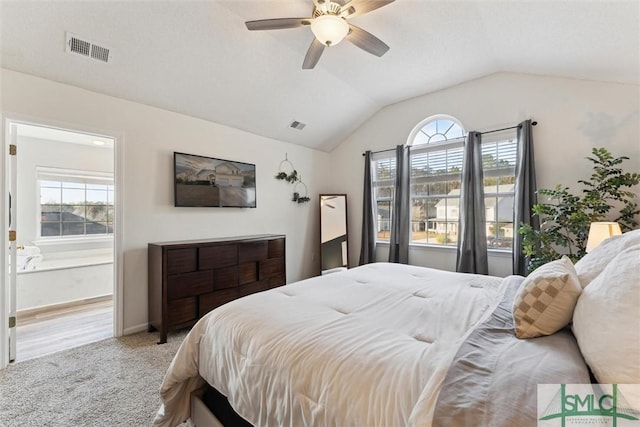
[{"x": 565, "y": 217}]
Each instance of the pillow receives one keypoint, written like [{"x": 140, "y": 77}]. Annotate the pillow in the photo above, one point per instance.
[
  {"x": 545, "y": 300},
  {"x": 592, "y": 264},
  {"x": 606, "y": 321}
]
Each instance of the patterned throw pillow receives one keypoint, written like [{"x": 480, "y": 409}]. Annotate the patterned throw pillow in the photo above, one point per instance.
[{"x": 545, "y": 300}]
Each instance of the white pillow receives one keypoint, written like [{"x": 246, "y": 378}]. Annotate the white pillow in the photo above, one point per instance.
[
  {"x": 545, "y": 300},
  {"x": 592, "y": 264},
  {"x": 606, "y": 321}
]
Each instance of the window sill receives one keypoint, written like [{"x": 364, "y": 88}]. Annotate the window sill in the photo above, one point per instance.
[
  {"x": 52, "y": 246},
  {"x": 71, "y": 240},
  {"x": 431, "y": 246},
  {"x": 502, "y": 253},
  {"x": 422, "y": 245}
]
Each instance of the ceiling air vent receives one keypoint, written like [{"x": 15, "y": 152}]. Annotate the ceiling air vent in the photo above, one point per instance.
[
  {"x": 297, "y": 125},
  {"x": 79, "y": 46},
  {"x": 100, "y": 53},
  {"x": 85, "y": 47}
]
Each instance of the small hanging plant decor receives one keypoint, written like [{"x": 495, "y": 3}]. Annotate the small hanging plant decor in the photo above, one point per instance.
[
  {"x": 296, "y": 192},
  {"x": 287, "y": 172},
  {"x": 282, "y": 175}
]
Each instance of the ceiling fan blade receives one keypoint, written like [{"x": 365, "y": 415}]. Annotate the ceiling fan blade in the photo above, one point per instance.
[
  {"x": 313, "y": 55},
  {"x": 360, "y": 7},
  {"x": 366, "y": 41},
  {"x": 278, "y": 24}
]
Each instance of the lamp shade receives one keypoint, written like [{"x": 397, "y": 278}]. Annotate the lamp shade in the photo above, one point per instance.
[
  {"x": 329, "y": 29},
  {"x": 600, "y": 231}
]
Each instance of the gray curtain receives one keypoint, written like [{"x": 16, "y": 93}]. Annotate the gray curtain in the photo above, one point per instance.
[
  {"x": 401, "y": 209},
  {"x": 368, "y": 244},
  {"x": 525, "y": 194},
  {"x": 472, "y": 234}
]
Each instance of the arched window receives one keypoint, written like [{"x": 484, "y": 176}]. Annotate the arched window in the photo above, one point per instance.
[
  {"x": 436, "y": 169},
  {"x": 436, "y": 129},
  {"x": 437, "y": 149}
]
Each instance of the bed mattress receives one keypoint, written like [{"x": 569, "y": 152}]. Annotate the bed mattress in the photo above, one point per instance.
[{"x": 369, "y": 346}]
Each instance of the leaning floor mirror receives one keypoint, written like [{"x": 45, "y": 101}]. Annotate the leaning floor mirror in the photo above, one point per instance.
[{"x": 333, "y": 233}]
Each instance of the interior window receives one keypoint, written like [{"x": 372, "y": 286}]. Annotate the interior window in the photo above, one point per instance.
[{"x": 78, "y": 204}]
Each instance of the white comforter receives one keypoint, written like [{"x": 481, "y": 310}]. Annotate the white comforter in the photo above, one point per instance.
[{"x": 366, "y": 347}]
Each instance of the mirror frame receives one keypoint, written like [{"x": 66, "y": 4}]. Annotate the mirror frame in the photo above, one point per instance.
[{"x": 346, "y": 226}]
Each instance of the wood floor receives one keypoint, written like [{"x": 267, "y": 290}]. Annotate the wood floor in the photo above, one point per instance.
[{"x": 55, "y": 330}]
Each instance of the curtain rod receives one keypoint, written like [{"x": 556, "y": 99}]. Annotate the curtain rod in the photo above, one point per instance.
[
  {"x": 481, "y": 133},
  {"x": 380, "y": 151},
  {"x": 510, "y": 127}
]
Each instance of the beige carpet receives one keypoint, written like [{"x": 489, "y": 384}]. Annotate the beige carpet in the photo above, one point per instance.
[{"x": 114, "y": 382}]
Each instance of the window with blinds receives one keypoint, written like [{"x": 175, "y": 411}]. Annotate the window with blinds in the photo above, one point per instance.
[
  {"x": 384, "y": 175},
  {"x": 437, "y": 147},
  {"x": 75, "y": 203},
  {"x": 499, "y": 169},
  {"x": 436, "y": 171}
]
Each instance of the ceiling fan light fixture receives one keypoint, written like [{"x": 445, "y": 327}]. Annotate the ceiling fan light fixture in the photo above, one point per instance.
[{"x": 329, "y": 29}]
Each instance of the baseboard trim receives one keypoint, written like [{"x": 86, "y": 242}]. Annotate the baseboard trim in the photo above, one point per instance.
[
  {"x": 135, "y": 329},
  {"x": 30, "y": 312}
]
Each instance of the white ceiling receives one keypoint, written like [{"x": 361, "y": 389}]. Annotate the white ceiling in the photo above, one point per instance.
[
  {"x": 60, "y": 135},
  {"x": 198, "y": 58}
]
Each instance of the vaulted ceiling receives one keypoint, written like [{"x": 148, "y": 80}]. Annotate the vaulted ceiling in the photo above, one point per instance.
[{"x": 199, "y": 59}]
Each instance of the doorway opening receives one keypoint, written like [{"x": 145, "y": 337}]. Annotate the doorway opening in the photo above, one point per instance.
[{"x": 64, "y": 208}]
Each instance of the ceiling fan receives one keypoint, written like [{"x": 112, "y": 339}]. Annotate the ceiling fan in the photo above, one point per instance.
[{"x": 329, "y": 25}]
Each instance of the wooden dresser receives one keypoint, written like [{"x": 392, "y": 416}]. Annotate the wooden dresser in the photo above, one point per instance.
[{"x": 188, "y": 279}]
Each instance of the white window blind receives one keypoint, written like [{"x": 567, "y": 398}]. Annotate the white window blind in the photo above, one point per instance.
[{"x": 437, "y": 149}]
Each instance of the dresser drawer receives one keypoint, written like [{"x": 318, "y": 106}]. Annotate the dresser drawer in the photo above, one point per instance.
[
  {"x": 247, "y": 272},
  {"x": 189, "y": 284},
  {"x": 225, "y": 277},
  {"x": 252, "y": 251},
  {"x": 217, "y": 256},
  {"x": 182, "y": 310},
  {"x": 276, "y": 281},
  {"x": 208, "y": 302},
  {"x": 181, "y": 260},
  {"x": 276, "y": 248},
  {"x": 271, "y": 267}
]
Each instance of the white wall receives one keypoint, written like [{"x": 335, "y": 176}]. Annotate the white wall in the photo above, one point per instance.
[
  {"x": 149, "y": 137},
  {"x": 573, "y": 116}
]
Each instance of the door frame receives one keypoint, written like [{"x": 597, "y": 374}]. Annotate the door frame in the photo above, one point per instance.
[{"x": 118, "y": 244}]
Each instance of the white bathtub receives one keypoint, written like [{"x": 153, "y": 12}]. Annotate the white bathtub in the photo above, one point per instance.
[{"x": 65, "y": 278}]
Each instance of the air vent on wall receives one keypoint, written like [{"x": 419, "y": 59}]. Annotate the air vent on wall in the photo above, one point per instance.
[
  {"x": 297, "y": 125},
  {"x": 84, "y": 47}
]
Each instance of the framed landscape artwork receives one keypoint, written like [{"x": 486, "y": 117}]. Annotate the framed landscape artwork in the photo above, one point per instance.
[{"x": 211, "y": 182}]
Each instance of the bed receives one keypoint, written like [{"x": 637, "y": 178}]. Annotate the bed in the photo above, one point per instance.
[{"x": 393, "y": 345}]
